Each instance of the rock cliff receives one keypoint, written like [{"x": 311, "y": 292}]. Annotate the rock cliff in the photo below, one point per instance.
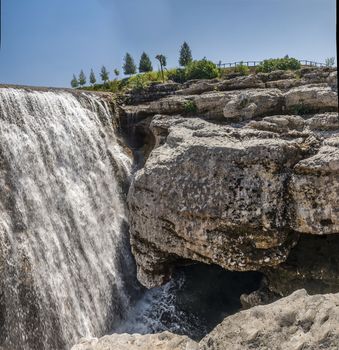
[{"x": 243, "y": 173}]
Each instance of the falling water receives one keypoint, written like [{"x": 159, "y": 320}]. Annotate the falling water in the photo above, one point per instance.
[{"x": 62, "y": 219}]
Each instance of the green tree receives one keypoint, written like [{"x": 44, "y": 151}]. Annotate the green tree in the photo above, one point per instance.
[
  {"x": 74, "y": 82},
  {"x": 82, "y": 78},
  {"x": 163, "y": 63},
  {"x": 145, "y": 64},
  {"x": 330, "y": 61},
  {"x": 104, "y": 74},
  {"x": 116, "y": 72},
  {"x": 185, "y": 55},
  {"x": 92, "y": 78},
  {"x": 129, "y": 65}
]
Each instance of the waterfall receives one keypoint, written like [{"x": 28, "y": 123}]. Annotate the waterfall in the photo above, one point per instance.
[{"x": 62, "y": 219}]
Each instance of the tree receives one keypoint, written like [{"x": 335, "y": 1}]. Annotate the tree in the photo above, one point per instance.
[
  {"x": 104, "y": 74},
  {"x": 330, "y": 61},
  {"x": 129, "y": 66},
  {"x": 92, "y": 78},
  {"x": 163, "y": 63},
  {"x": 116, "y": 72},
  {"x": 74, "y": 82},
  {"x": 82, "y": 78},
  {"x": 145, "y": 64},
  {"x": 185, "y": 55}
]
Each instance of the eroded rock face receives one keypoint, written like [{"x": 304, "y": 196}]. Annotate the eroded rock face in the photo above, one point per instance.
[
  {"x": 161, "y": 341},
  {"x": 213, "y": 194},
  {"x": 237, "y": 194},
  {"x": 297, "y": 322}
]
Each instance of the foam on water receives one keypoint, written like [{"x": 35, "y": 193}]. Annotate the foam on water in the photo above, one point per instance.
[{"x": 62, "y": 219}]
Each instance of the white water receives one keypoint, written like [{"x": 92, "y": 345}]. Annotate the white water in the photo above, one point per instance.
[{"x": 61, "y": 220}]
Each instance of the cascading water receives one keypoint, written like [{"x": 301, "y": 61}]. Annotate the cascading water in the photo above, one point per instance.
[
  {"x": 62, "y": 219},
  {"x": 66, "y": 269}
]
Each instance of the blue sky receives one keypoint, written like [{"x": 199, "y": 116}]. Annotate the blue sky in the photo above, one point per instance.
[{"x": 46, "y": 41}]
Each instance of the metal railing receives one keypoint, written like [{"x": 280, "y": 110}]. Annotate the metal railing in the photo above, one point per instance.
[{"x": 257, "y": 63}]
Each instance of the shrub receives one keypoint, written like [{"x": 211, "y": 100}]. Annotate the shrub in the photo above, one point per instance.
[
  {"x": 202, "y": 69},
  {"x": 301, "y": 109},
  {"x": 242, "y": 69},
  {"x": 190, "y": 107},
  {"x": 178, "y": 75},
  {"x": 272, "y": 64},
  {"x": 330, "y": 61},
  {"x": 141, "y": 81}
]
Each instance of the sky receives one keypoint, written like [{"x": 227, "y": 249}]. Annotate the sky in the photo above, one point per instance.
[{"x": 45, "y": 41}]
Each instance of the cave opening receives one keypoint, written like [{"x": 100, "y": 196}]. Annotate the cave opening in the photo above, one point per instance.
[{"x": 197, "y": 299}]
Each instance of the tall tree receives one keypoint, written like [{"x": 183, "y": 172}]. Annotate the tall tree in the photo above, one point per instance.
[
  {"x": 145, "y": 64},
  {"x": 129, "y": 65},
  {"x": 82, "y": 78},
  {"x": 74, "y": 82},
  {"x": 116, "y": 72},
  {"x": 104, "y": 74},
  {"x": 185, "y": 55},
  {"x": 92, "y": 78},
  {"x": 163, "y": 63}
]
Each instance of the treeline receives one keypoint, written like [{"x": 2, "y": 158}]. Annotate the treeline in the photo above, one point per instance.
[{"x": 130, "y": 68}]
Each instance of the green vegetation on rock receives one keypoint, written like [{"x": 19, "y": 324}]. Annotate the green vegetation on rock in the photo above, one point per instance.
[
  {"x": 202, "y": 69},
  {"x": 272, "y": 64}
]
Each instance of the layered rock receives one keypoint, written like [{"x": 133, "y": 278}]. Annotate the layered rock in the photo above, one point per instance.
[
  {"x": 236, "y": 180},
  {"x": 297, "y": 322}
]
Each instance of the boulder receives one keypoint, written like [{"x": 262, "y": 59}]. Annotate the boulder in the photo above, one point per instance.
[
  {"x": 297, "y": 322},
  {"x": 212, "y": 194},
  {"x": 161, "y": 341},
  {"x": 309, "y": 98},
  {"x": 250, "y": 104}
]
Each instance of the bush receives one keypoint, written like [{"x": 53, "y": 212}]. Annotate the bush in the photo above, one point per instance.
[
  {"x": 242, "y": 69},
  {"x": 178, "y": 75},
  {"x": 202, "y": 69},
  {"x": 278, "y": 64},
  {"x": 190, "y": 107},
  {"x": 140, "y": 81}
]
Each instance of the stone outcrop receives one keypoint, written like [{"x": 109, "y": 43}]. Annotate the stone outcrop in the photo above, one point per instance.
[
  {"x": 237, "y": 179},
  {"x": 213, "y": 194},
  {"x": 297, "y": 322},
  {"x": 161, "y": 341}
]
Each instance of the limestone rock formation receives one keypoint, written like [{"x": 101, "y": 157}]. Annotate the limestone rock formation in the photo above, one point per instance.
[
  {"x": 161, "y": 341},
  {"x": 296, "y": 322},
  {"x": 213, "y": 194},
  {"x": 238, "y": 180}
]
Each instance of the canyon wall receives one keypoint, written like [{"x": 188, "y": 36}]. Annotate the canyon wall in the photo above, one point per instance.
[{"x": 243, "y": 174}]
